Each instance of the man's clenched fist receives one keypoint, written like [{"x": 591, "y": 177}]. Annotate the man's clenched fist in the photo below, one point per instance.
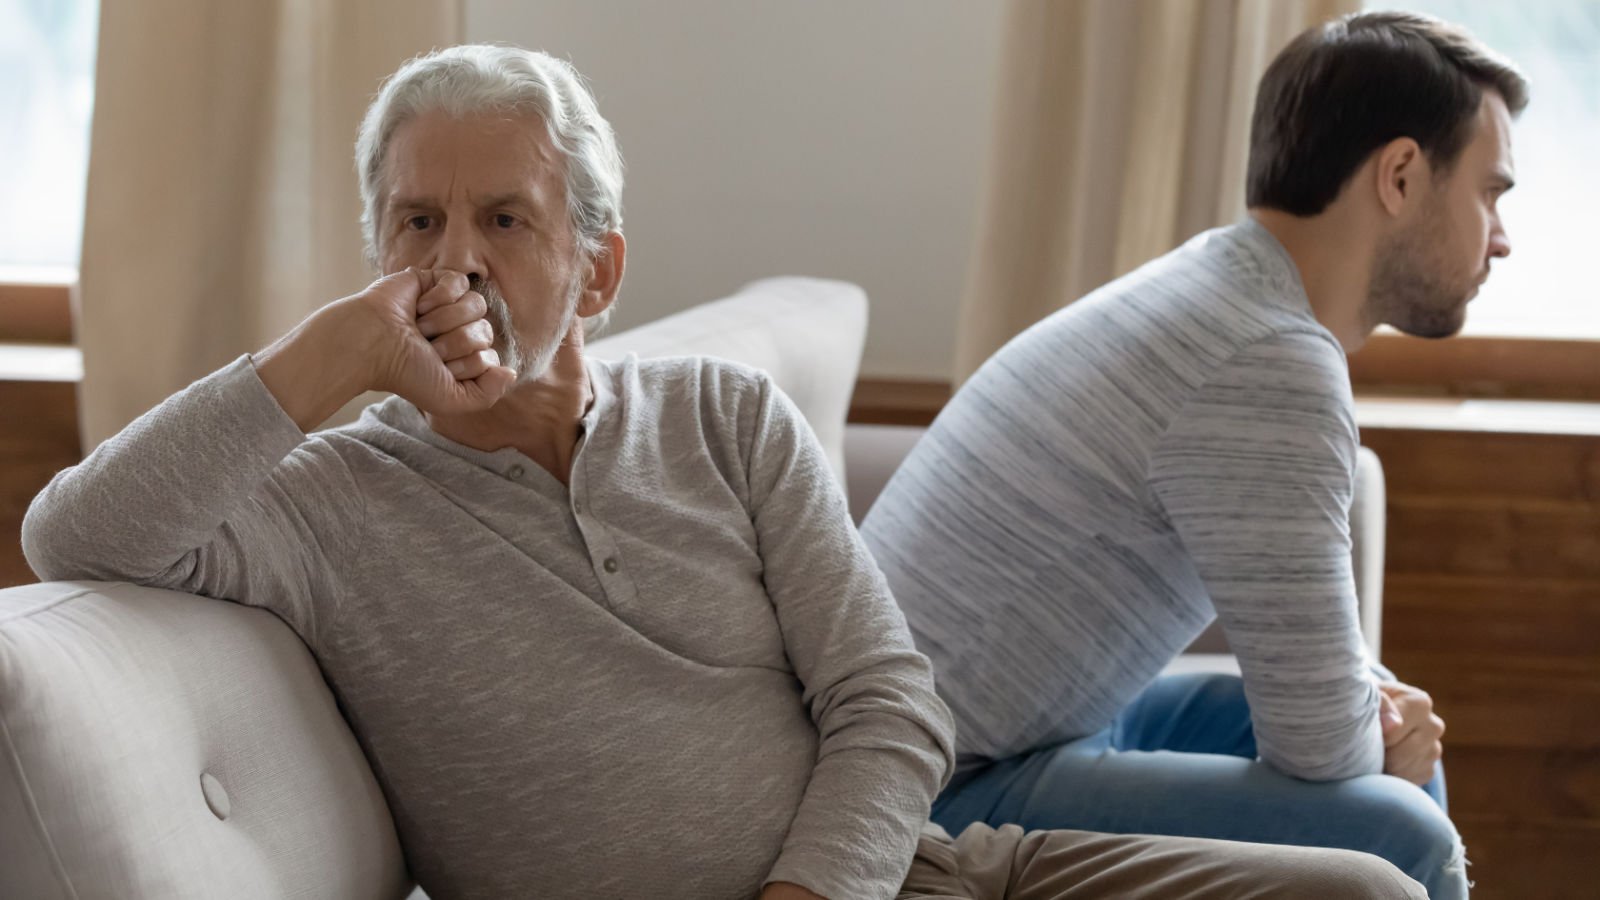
[
  {"x": 438, "y": 350},
  {"x": 419, "y": 333},
  {"x": 1411, "y": 732}
]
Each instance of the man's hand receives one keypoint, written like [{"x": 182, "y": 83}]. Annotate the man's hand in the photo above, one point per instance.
[
  {"x": 419, "y": 333},
  {"x": 1411, "y": 732},
  {"x": 783, "y": 890},
  {"x": 437, "y": 347}
]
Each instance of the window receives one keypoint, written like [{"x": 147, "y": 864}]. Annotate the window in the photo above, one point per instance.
[
  {"x": 47, "y": 52},
  {"x": 1547, "y": 287}
]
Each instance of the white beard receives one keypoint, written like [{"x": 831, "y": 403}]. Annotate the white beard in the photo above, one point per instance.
[{"x": 529, "y": 361}]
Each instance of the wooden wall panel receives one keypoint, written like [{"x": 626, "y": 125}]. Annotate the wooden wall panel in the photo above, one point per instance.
[
  {"x": 1496, "y": 617},
  {"x": 38, "y": 437},
  {"x": 1540, "y": 785},
  {"x": 1521, "y": 467},
  {"x": 1516, "y": 859},
  {"x": 1492, "y": 605},
  {"x": 1494, "y": 537}
]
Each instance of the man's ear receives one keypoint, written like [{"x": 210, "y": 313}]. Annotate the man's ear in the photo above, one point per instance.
[
  {"x": 1402, "y": 170},
  {"x": 605, "y": 275}
]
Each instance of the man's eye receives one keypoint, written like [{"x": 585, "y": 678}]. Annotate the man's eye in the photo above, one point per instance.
[
  {"x": 419, "y": 223},
  {"x": 505, "y": 220}
]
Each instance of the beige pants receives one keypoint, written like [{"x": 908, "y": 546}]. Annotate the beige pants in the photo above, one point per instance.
[{"x": 1006, "y": 864}]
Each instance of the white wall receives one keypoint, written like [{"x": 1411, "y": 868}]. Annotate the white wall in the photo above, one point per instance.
[{"x": 838, "y": 138}]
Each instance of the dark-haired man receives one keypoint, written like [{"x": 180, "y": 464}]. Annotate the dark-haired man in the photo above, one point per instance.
[{"x": 1179, "y": 445}]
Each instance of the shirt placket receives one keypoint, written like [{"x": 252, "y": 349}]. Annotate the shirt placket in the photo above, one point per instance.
[{"x": 604, "y": 555}]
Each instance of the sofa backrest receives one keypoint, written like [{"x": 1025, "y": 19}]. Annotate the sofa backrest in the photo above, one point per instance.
[{"x": 807, "y": 333}]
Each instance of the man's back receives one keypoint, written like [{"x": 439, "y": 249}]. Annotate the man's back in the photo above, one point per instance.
[{"x": 1179, "y": 437}]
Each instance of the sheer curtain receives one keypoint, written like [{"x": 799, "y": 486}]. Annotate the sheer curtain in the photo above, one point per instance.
[
  {"x": 1121, "y": 128},
  {"x": 222, "y": 203}
]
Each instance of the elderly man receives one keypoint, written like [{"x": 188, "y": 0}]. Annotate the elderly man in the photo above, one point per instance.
[
  {"x": 1180, "y": 446},
  {"x": 604, "y": 630}
]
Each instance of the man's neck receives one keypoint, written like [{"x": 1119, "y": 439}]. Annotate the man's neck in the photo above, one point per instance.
[
  {"x": 1334, "y": 256},
  {"x": 539, "y": 418}
]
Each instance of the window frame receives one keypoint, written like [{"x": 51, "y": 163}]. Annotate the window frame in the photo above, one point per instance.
[
  {"x": 1478, "y": 367},
  {"x": 36, "y": 312}
]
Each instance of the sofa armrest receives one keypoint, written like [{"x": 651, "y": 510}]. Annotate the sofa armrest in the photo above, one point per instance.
[
  {"x": 1369, "y": 515},
  {"x": 158, "y": 744}
]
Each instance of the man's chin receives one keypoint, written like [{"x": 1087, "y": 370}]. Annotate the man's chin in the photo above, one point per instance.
[{"x": 1433, "y": 329}]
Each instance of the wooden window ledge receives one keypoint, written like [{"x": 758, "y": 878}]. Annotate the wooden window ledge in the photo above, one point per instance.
[
  {"x": 1472, "y": 415},
  {"x": 40, "y": 362}
]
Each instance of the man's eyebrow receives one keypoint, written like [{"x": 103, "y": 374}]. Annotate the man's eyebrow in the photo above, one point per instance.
[
  {"x": 512, "y": 198},
  {"x": 411, "y": 203}
]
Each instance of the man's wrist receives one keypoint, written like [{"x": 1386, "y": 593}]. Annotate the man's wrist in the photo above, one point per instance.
[{"x": 319, "y": 366}]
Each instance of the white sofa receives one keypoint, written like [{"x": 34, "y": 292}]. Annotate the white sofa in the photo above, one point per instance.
[{"x": 156, "y": 744}]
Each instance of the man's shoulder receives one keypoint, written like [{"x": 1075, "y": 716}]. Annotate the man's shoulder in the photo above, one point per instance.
[
  {"x": 693, "y": 378},
  {"x": 1292, "y": 356},
  {"x": 1203, "y": 301}
]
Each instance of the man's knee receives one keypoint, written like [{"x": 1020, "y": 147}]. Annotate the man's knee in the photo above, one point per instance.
[
  {"x": 1349, "y": 875},
  {"x": 1409, "y": 829}
]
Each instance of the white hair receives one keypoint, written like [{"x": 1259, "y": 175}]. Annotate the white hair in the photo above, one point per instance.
[{"x": 489, "y": 78}]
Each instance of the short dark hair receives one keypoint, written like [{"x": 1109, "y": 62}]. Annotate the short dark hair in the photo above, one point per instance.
[{"x": 1343, "y": 89}]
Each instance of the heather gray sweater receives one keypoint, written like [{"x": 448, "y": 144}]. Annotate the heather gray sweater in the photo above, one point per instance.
[
  {"x": 1177, "y": 446},
  {"x": 682, "y": 677}
]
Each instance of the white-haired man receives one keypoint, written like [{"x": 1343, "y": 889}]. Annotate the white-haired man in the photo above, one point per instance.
[{"x": 604, "y": 630}]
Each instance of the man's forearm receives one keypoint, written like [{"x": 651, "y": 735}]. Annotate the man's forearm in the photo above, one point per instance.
[
  {"x": 318, "y": 367},
  {"x": 157, "y": 491}
]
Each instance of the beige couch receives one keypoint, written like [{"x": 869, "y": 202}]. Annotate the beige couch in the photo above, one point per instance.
[{"x": 156, "y": 744}]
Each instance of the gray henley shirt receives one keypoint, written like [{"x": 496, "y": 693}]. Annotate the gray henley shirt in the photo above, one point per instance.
[{"x": 682, "y": 677}]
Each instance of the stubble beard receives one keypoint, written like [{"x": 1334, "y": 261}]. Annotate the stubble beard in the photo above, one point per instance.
[
  {"x": 1411, "y": 289},
  {"x": 530, "y": 361}
]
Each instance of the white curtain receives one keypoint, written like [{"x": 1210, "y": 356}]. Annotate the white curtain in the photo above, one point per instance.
[
  {"x": 222, "y": 203},
  {"x": 1121, "y": 129}
]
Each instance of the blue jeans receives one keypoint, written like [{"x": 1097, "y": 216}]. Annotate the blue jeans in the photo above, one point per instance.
[{"x": 1181, "y": 760}]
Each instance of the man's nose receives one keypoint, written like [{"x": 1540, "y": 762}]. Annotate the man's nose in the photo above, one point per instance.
[
  {"x": 1499, "y": 243},
  {"x": 460, "y": 251}
]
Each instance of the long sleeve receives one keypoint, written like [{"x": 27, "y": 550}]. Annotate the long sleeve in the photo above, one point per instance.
[
  {"x": 1256, "y": 475},
  {"x": 886, "y": 740},
  {"x": 215, "y": 492}
]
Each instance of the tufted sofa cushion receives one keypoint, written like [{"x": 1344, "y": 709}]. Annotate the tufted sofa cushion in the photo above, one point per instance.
[{"x": 155, "y": 744}]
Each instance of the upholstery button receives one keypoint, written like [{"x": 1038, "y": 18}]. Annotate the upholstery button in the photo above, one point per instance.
[
  {"x": 577, "y": 507},
  {"x": 216, "y": 797},
  {"x": 611, "y": 564},
  {"x": 514, "y": 472}
]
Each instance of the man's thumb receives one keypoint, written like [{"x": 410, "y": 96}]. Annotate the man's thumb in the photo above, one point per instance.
[
  {"x": 1388, "y": 713},
  {"x": 488, "y": 388}
]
